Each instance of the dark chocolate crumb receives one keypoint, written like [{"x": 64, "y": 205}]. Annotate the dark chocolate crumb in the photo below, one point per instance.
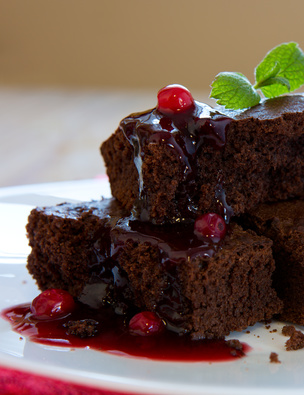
[
  {"x": 82, "y": 328},
  {"x": 295, "y": 342},
  {"x": 236, "y": 344},
  {"x": 267, "y": 326},
  {"x": 236, "y": 347},
  {"x": 273, "y": 331},
  {"x": 288, "y": 330},
  {"x": 247, "y": 331},
  {"x": 274, "y": 358}
]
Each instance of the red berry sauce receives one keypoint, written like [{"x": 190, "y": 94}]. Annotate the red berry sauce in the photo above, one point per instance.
[{"x": 113, "y": 335}]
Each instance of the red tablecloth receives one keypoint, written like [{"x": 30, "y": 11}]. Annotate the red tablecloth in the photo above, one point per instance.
[{"x": 14, "y": 382}]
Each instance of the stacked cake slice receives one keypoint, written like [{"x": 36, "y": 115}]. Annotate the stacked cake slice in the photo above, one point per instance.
[{"x": 177, "y": 237}]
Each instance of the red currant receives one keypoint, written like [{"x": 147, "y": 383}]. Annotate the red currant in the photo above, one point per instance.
[
  {"x": 145, "y": 323},
  {"x": 52, "y": 303},
  {"x": 211, "y": 226},
  {"x": 174, "y": 99}
]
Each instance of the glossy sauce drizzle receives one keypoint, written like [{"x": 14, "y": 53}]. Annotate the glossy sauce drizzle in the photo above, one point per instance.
[{"x": 183, "y": 134}]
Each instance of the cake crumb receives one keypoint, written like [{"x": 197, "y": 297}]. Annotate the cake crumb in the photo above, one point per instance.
[
  {"x": 288, "y": 330},
  {"x": 274, "y": 358},
  {"x": 236, "y": 347},
  {"x": 82, "y": 328},
  {"x": 267, "y": 326},
  {"x": 247, "y": 331},
  {"x": 296, "y": 340}
]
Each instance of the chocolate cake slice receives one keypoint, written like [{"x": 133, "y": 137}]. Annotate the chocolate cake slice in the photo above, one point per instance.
[
  {"x": 101, "y": 255},
  {"x": 283, "y": 222},
  {"x": 168, "y": 167}
]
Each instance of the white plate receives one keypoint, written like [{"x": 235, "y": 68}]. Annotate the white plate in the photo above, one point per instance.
[{"x": 253, "y": 374}]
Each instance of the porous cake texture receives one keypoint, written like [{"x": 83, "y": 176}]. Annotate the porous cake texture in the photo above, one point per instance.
[
  {"x": 101, "y": 255},
  {"x": 283, "y": 222},
  {"x": 167, "y": 168}
]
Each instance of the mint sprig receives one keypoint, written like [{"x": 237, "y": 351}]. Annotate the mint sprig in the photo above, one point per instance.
[
  {"x": 234, "y": 89},
  {"x": 281, "y": 71}
]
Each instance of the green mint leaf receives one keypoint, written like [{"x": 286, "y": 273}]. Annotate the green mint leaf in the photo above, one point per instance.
[
  {"x": 269, "y": 72},
  {"x": 290, "y": 60},
  {"x": 281, "y": 71},
  {"x": 274, "y": 80},
  {"x": 234, "y": 91}
]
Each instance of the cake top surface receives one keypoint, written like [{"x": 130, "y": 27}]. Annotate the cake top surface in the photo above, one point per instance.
[
  {"x": 158, "y": 121},
  {"x": 271, "y": 108},
  {"x": 104, "y": 208},
  {"x": 287, "y": 216},
  {"x": 175, "y": 241},
  {"x": 292, "y": 210},
  {"x": 201, "y": 124}
]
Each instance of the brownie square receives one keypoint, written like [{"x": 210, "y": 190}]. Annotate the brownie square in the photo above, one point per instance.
[
  {"x": 101, "y": 255},
  {"x": 167, "y": 168},
  {"x": 283, "y": 222}
]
